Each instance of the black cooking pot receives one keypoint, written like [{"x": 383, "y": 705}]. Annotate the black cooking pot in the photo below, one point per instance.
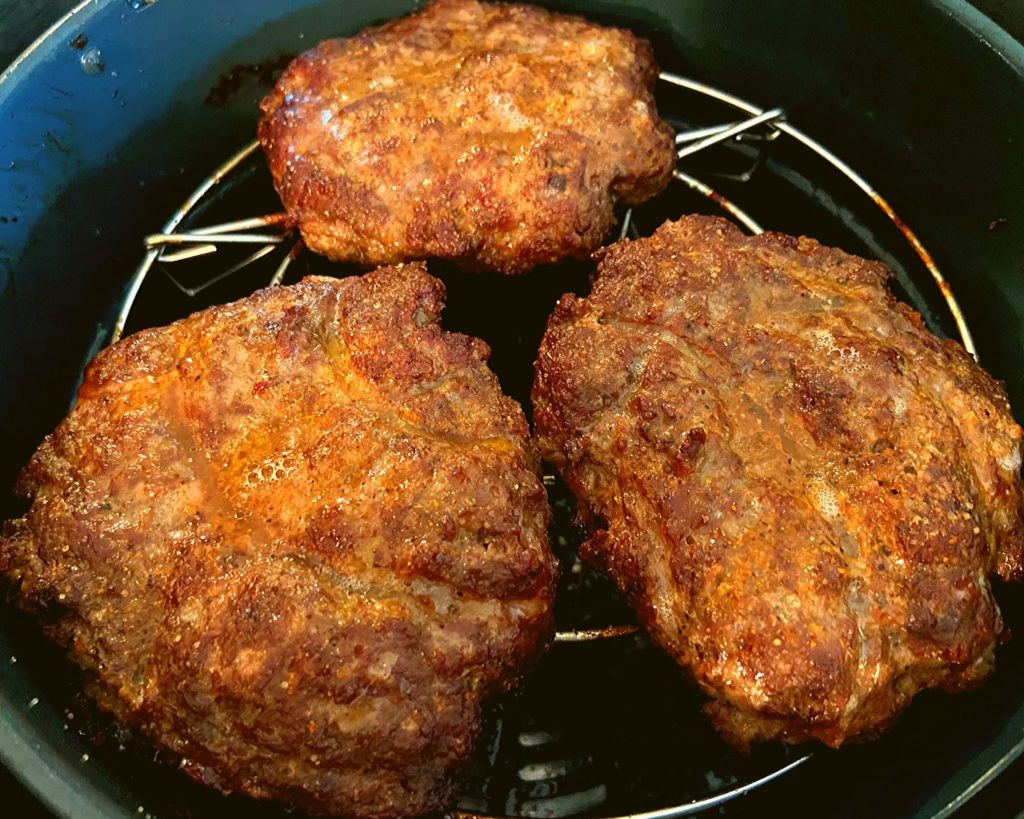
[{"x": 109, "y": 121}]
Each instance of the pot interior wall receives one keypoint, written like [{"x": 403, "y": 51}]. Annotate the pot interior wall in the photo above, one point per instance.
[{"x": 89, "y": 163}]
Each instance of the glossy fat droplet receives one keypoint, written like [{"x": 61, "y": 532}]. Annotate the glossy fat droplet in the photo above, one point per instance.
[{"x": 92, "y": 61}]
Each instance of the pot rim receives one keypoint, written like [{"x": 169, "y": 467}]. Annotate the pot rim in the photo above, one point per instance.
[{"x": 67, "y": 791}]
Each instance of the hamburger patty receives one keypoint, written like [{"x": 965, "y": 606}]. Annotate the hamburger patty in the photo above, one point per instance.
[
  {"x": 800, "y": 489},
  {"x": 496, "y": 136},
  {"x": 297, "y": 540}
]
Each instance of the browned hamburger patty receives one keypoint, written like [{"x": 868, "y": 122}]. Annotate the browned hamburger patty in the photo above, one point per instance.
[
  {"x": 296, "y": 540},
  {"x": 497, "y": 136},
  {"x": 800, "y": 489}
]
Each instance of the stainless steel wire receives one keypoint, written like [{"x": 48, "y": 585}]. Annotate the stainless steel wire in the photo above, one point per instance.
[
  {"x": 687, "y": 808},
  {"x": 176, "y": 219},
  {"x": 854, "y": 177},
  {"x": 724, "y": 132},
  {"x": 172, "y": 246}
]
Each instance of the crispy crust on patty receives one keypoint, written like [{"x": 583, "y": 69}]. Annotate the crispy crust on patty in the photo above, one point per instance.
[
  {"x": 802, "y": 491},
  {"x": 297, "y": 540},
  {"x": 496, "y": 136}
]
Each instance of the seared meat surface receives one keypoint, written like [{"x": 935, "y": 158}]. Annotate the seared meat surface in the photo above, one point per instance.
[
  {"x": 497, "y": 136},
  {"x": 297, "y": 540},
  {"x": 800, "y": 489}
]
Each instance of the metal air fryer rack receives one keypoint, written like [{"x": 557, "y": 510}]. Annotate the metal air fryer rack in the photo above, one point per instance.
[{"x": 548, "y": 777}]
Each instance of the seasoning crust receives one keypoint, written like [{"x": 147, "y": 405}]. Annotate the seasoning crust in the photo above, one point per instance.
[
  {"x": 802, "y": 491},
  {"x": 297, "y": 540},
  {"x": 496, "y": 136}
]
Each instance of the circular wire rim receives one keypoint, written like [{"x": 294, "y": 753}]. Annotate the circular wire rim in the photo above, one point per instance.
[
  {"x": 776, "y": 120},
  {"x": 665, "y": 76},
  {"x": 853, "y": 176},
  {"x": 681, "y": 810},
  {"x": 774, "y": 117},
  {"x": 54, "y": 782}
]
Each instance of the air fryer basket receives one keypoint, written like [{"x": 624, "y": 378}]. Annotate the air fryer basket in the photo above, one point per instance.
[{"x": 115, "y": 118}]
